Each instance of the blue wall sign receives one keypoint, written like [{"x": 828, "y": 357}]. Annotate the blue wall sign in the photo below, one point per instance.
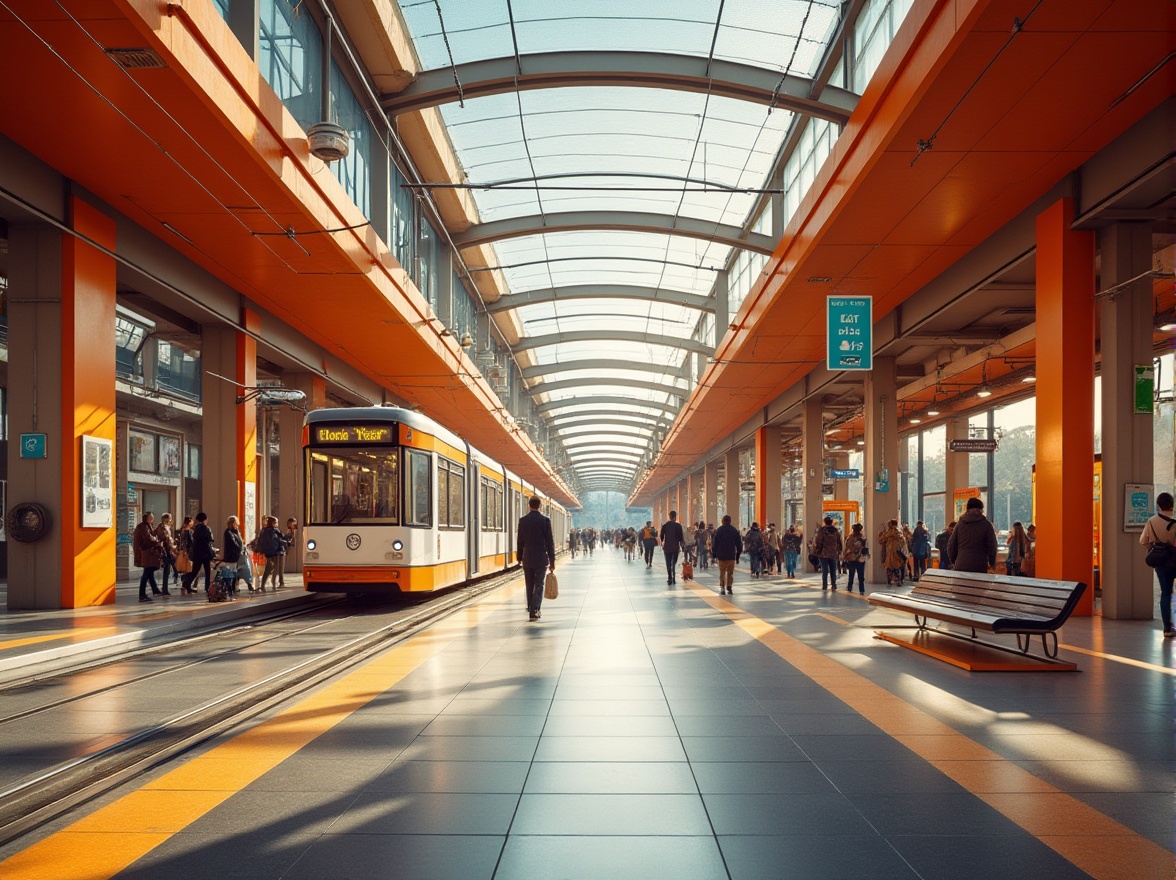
[
  {"x": 851, "y": 326},
  {"x": 33, "y": 446},
  {"x": 845, "y": 473}
]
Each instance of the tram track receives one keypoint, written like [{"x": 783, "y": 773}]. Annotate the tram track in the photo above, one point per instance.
[{"x": 35, "y": 801}]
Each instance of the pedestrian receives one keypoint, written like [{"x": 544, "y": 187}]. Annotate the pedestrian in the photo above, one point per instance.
[
  {"x": 148, "y": 555},
  {"x": 726, "y": 548},
  {"x": 672, "y": 540},
  {"x": 272, "y": 545},
  {"x": 973, "y": 542},
  {"x": 1029, "y": 563},
  {"x": 184, "y": 554},
  {"x": 168, "y": 551},
  {"x": 941, "y": 545},
  {"x": 791, "y": 542},
  {"x": 1161, "y": 529},
  {"x": 827, "y": 547},
  {"x": 894, "y": 553},
  {"x": 573, "y": 542},
  {"x": 753, "y": 542},
  {"x": 1016, "y": 550},
  {"x": 203, "y": 552},
  {"x": 855, "y": 555},
  {"x": 648, "y": 542},
  {"x": 536, "y": 548},
  {"x": 920, "y": 549},
  {"x": 234, "y": 546},
  {"x": 700, "y": 544}
]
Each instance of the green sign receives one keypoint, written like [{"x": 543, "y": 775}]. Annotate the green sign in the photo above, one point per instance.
[
  {"x": 851, "y": 322},
  {"x": 33, "y": 446},
  {"x": 1145, "y": 386}
]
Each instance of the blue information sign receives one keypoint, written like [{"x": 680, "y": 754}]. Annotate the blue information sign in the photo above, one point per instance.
[
  {"x": 845, "y": 473},
  {"x": 33, "y": 446},
  {"x": 850, "y": 341}
]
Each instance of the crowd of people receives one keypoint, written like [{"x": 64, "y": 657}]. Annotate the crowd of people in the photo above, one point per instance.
[
  {"x": 185, "y": 554},
  {"x": 971, "y": 544}
]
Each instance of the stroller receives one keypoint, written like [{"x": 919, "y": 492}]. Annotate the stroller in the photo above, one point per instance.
[{"x": 224, "y": 582}]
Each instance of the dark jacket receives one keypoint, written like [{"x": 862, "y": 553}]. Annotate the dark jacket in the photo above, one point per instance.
[
  {"x": 672, "y": 537},
  {"x": 202, "y": 546},
  {"x": 941, "y": 545},
  {"x": 920, "y": 543},
  {"x": 973, "y": 543},
  {"x": 827, "y": 544},
  {"x": 536, "y": 543},
  {"x": 271, "y": 542},
  {"x": 233, "y": 546},
  {"x": 148, "y": 548},
  {"x": 726, "y": 545},
  {"x": 754, "y": 541},
  {"x": 792, "y": 542}
]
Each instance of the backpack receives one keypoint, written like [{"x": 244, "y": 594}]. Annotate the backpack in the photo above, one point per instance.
[{"x": 1162, "y": 553}]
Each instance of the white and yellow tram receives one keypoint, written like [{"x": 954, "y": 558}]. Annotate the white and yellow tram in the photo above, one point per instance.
[{"x": 396, "y": 503}]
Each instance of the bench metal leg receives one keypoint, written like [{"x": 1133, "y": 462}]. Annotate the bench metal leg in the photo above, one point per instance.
[
  {"x": 1051, "y": 651},
  {"x": 921, "y": 622},
  {"x": 1024, "y": 641}
]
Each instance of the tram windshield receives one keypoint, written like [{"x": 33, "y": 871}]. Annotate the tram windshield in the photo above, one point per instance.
[{"x": 354, "y": 486}]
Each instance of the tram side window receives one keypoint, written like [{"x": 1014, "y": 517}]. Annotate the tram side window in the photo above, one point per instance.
[
  {"x": 450, "y": 494},
  {"x": 419, "y": 508},
  {"x": 490, "y": 496}
]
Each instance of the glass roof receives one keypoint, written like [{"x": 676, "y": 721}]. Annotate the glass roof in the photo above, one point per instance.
[{"x": 673, "y": 154}]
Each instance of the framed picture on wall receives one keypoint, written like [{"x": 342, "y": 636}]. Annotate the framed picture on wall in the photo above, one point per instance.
[
  {"x": 97, "y": 483},
  {"x": 142, "y": 452},
  {"x": 169, "y": 456}
]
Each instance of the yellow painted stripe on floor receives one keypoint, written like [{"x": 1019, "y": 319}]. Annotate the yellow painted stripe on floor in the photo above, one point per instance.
[
  {"x": 69, "y": 634},
  {"x": 113, "y": 837},
  {"x": 1094, "y": 842},
  {"x": 834, "y": 619},
  {"x": 1115, "y": 658}
]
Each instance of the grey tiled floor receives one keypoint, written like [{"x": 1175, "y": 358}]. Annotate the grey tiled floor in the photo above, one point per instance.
[{"x": 636, "y": 732}]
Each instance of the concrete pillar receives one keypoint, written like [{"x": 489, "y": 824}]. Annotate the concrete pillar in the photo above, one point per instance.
[
  {"x": 768, "y": 467},
  {"x": 291, "y": 499},
  {"x": 695, "y": 507},
  {"x": 881, "y": 477},
  {"x": 682, "y": 505},
  {"x": 710, "y": 507},
  {"x": 722, "y": 311},
  {"x": 840, "y": 461},
  {"x": 1128, "y": 441},
  {"x": 955, "y": 466},
  {"x": 61, "y": 317},
  {"x": 229, "y": 444},
  {"x": 1065, "y": 400},
  {"x": 812, "y": 450},
  {"x": 731, "y": 486}
]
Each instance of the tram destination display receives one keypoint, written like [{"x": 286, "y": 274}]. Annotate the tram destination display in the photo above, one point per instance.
[{"x": 353, "y": 435}]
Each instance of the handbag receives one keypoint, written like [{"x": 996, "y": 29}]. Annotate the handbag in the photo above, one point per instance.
[
  {"x": 183, "y": 562},
  {"x": 1162, "y": 554},
  {"x": 551, "y": 586}
]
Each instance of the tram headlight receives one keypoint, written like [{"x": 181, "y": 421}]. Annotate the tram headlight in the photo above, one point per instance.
[
  {"x": 311, "y": 544},
  {"x": 397, "y": 546}
]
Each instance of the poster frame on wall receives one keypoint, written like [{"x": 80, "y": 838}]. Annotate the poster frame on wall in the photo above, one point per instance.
[{"x": 97, "y": 482}]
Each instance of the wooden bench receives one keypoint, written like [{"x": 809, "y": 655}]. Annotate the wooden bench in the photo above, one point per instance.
[{"x": 1023, "y": 607}]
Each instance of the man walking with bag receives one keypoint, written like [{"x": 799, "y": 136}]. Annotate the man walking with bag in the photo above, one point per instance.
[
  {"x": 536, "y": 548},
  {"x": 1159, "y": 531},
  {"x": 673, "y": 539}
]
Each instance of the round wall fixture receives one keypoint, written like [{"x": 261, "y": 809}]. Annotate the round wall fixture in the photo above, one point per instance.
[
  {"x": 29, "y": 521},
  {"x": 353, "y": 541},
  {"x": 328, "y": 141}
]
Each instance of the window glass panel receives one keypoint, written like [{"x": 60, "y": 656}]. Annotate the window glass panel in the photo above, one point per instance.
[
  {"x": 403, "y": 224},
  {"x": 222, "y": 6},
  {"x": 442, "y": 492},
  {"x": 419, "y": 508},
  {"x": 354, "y": 171},
  {"x": 355, "y": 486},
  {"x": 456, "y": 495},
  {"x": 290, "y": 51}
]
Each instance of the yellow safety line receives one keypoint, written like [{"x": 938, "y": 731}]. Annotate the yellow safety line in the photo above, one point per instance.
[
  {"x": 834, "y": 619},
  {"x": 1095, "y": 843},
  {"x": 1115, "y": 658},
  {"x": 33, "y": 640},
  {"x": 113, "y": 837}
]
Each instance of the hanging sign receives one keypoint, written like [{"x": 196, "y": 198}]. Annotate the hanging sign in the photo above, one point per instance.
[
  {"x": 975, "y": 444},
  {"x": 845, "y": 473},
  {"x": 851, "y": 323},
  {"x": 33, "y": 446},
  {"x": 1137, "y": 506},
  {"x": 1145, "y": 389}
]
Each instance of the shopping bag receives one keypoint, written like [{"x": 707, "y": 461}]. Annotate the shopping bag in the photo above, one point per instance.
[
  {"x": 183, "y": 562},
  {"x": 551, "y": 587}
]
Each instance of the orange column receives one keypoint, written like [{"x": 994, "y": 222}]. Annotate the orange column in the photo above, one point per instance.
[
  {"x": 246, "y": 449},
  {"x": 87, "y": 400},
  {"x": 1065, "y": 400}
]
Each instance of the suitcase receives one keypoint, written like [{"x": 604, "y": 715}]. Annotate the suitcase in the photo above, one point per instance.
[{"x": 687, "y": 571}]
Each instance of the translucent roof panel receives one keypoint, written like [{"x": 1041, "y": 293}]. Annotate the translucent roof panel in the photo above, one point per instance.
[{"x": 673, "y": 154}]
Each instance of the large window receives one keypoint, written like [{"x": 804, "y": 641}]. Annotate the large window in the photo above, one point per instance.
[
  {"x": 177, "y": 370},
  {"x": 290, "y": 58},
  {"x": 354, "y": 486},
  {"x": 418, "y": 509},
  {"x": 450, "y": 494},
  {"x": 353, "y": 171}
]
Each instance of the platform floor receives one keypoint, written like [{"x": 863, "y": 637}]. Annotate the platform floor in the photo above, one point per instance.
[{"x": 651, "y": 732}]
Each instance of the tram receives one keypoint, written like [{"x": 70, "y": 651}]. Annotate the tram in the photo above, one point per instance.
[{"x": 396, "y": 503}]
